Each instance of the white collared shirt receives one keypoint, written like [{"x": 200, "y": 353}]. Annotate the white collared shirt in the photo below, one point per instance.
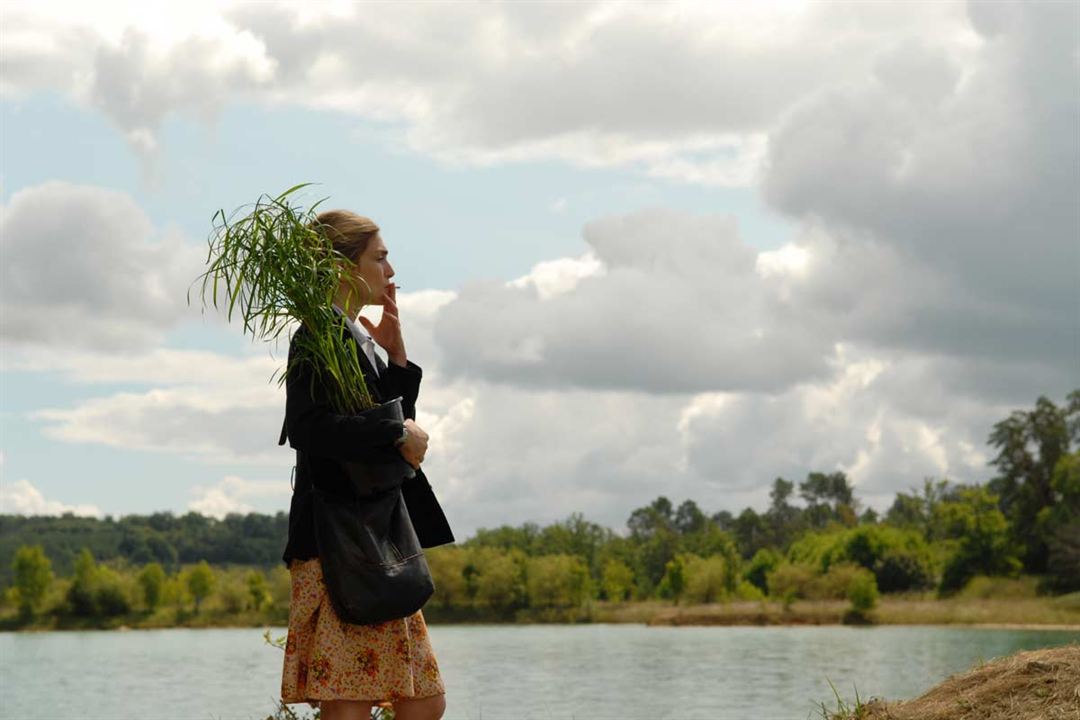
[{"x": 362, "y": 337}]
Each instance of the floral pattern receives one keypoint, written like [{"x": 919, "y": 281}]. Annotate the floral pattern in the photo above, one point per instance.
[{"x": 329, "y": 659}]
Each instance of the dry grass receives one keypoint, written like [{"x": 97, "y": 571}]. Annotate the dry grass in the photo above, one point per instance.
[
  {"x": 1059, "y": 613},
  {"x": 1033, "y": 685}
]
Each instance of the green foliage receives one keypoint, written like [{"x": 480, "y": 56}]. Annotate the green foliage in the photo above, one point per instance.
[
  {"x": 757, "y": 571},
  {"x": 862, "y": 591},
  {"x": 1030, "y": 444},
  {"x": 248, "y": 539},
  {"x": 983, "y": 545},
  {"x": 152, "y": 582},
  {"x": 497, "y": 579},
  {"x": 258, "y": 590},
  {"x": 707, "y": 579},
  {"x": 200, "y": 580},
  {"x": 557, "y": 581},
  {"x": 33, "y": 576},
  {"x": 447, "y": 565},
  {"x": 617, "y": 581},
  {"x": 278, "y": 266},
  {"x": 96, "y": 591},
  {"x": 1060, "y": 525},
  {"x": 791, "y": 580},
  {"x": 673, "y": 583}
]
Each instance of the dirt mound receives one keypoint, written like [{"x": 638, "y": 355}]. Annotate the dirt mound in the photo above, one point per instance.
[{"x": 1034, "y": 685}]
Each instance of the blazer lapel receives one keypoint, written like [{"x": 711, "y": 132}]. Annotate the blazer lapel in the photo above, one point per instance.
[{"x": 371, "y": 376}]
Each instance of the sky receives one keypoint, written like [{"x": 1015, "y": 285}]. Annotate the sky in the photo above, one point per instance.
[{"x": 646, "y": 249}]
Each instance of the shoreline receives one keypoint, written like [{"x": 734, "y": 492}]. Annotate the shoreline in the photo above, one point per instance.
[{"x": 1049, "y": 614}]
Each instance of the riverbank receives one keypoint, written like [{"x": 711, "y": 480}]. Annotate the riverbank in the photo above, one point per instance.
[
  {"x": 1050, "y": 613},
  {"x": 1032, "y": 685}
]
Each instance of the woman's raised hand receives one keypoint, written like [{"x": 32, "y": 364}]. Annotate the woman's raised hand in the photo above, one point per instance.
[
  {"x": 388, "y": 332},
  {"x": 415, "y": 446}
]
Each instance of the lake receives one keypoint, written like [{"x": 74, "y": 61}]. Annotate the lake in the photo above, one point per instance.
[{"x": 502, "y": 672}]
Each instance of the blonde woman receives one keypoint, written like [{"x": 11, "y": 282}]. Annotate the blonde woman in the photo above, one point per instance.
[{"x": 341, "y": 668}]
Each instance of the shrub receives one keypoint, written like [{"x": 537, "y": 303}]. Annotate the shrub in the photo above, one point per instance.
[
  {"x": 790, "y": 581},
  {"x": 764, "y": 561},
  {"x": 617, "y": 580},
  {"x": 705, "y": 579},
  {"x": 899, "y": 570},
  {"x": 863, "y": 591}
]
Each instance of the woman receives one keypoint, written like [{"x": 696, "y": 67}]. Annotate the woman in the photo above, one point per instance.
[{"x": 341, "y": 668}]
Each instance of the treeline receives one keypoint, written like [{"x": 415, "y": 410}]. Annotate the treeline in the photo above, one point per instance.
[
  {"x": 815, "y": 540},
  {"x": 98, "y": 594},
  {"x": 169, "y": 540}
]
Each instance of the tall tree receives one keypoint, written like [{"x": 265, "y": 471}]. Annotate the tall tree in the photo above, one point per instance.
[
  {"x": 689, "y": 518},
  {"x": 33, "y": 576},
  {"x": 1029, "y": 445}
]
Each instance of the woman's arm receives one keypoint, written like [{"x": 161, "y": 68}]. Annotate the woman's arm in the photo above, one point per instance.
[{"x": 313, "y": 426}]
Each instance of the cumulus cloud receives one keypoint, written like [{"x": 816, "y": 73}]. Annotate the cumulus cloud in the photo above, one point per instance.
[
  {"x": 22, "y": 498},
  {"x": 684, "y": 91},
  {"x": 664, "y": 302},
  {"x": 232, "y": 494},
  {"x": 83, "y": 267},
  {"x": 950, "y": 217},
  {"x": 927, "y": 152},
  {"x": 202, "y": 405}
]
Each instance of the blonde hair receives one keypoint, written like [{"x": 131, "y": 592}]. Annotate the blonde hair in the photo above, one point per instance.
[{"x": 349, "y": 233}]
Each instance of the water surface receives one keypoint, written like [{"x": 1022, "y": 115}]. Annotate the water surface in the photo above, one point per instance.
[{"x": 600, "y": 672}]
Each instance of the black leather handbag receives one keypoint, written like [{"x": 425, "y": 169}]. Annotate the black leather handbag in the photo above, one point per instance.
[{"x": 372, "y": 562}]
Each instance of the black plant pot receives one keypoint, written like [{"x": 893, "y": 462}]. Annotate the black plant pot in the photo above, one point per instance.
[{"x": 387, "y": 470}]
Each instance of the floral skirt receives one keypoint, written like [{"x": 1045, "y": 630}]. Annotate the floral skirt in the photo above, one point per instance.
[{"x": 327, "y": 658}]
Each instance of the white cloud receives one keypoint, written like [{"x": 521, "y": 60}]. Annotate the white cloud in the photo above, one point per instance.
[
  {"x": 232, "y": 494},
  {"x": 22, "y": 498},
  {"x": 83, "y": 267},
  {"x": 684, "y": 91}
]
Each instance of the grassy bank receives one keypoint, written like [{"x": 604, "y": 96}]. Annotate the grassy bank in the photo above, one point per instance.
[
  {"x": 1033, "y": 685},
  {"x": 1061, "y": 612}
]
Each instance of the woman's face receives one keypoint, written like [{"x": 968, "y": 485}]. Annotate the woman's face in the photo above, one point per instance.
[{"x": 374, "y": 268}]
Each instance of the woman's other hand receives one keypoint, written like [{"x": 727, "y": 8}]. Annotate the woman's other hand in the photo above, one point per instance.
[{"x": 415, "y": 446}]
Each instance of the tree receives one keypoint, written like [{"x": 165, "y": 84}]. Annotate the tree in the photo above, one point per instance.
[
  {"x": 828, "y": 496},
  {"x": 81, "y": 593},
  {"x": 751, "y": 532},
  {"x": 152, "y": 581},
  {"x": 498, "y": 577},
  {"x": 674, "y": 581},
  {"x": 764, "y": 562},
  {"x": 447, "y": 564},
  {"x": 1029, "y": 445},
  {"x": 862, "y": 591},
  {"x": 200, "y": 582},
  {"x": 689, "y": 518},
  {"x": 33, "y": 576},
  {"x": 1060, "y": 524},
  {"x": 707, "y": 579},
  {"x": 981, "y": 537},
  {"x": 560, "y": 581},
  {"x": 617, "y": 580},
  {"x": 783, "y": 519},
  {"x": 646, "y": 521},
  {"x": 258, "y": 591}
]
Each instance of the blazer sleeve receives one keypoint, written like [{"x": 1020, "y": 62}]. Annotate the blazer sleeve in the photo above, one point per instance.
[
  {"x": 312, "y": 426},
  {"x": 404, "y": 381}
]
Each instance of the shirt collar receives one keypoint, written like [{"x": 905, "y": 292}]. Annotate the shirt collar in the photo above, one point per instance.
[{"x": 355, "y": 328}]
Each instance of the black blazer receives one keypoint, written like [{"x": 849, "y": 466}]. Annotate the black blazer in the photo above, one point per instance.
[{"x": 324, "y": 439}]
